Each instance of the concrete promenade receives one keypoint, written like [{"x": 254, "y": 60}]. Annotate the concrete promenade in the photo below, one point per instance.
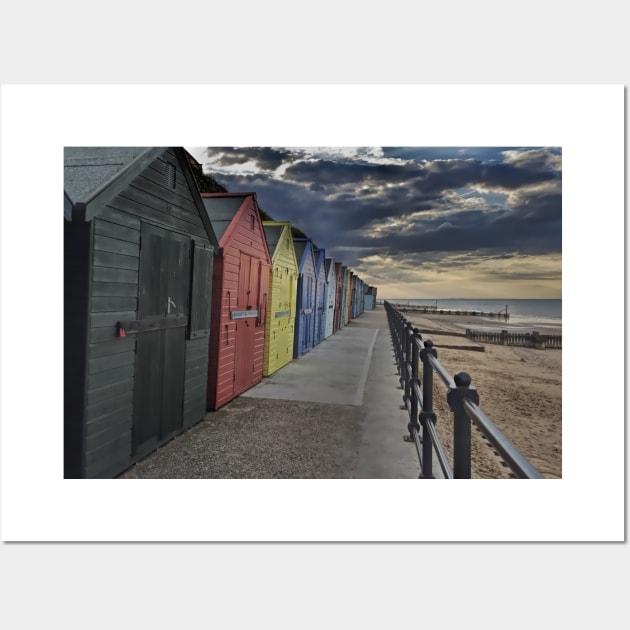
[
  {"x": 332, "y": 413},
  {"x": 355, "y": 366}
]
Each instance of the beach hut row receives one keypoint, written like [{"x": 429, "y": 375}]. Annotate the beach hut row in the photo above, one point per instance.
[{"x": 176, "y": 302}]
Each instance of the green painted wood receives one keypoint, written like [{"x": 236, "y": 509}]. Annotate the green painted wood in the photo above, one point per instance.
[
  {"x": 115, "y": 416},
  {"x": 110, "y": 318},
  {"x": 77, "y": 263},
  {"x": 117, "y": 448},
  {"x": 105, "y": 333},
  {"x": 164, "y": 274},
  {"x": 117, "y": 231},
  {"x": 109, "y": 391},
  {"x": 115, "y": 246},
  {"x": 109, "y": 348},
  {"x": 193, "y": 379},
  {"x": 161, "y": 217},
  {"x": 181, "y": 207},
  {"x": 110, "y": 362},
  {"x": 108, "y": 377},
  {"x": 196, "y": 381},
  {"x": 119, "y": 402},
  {"x": 109, "y": 274},
  {"x": 109, "y": 466},
  {"x": 197, "y": 348},
  {"x": 109, "y": 433},
  {"x": 114, "y": 289},
  {"x": 173, "y": 384},
  {"x": 197, "y": 363},
  {"x": 112, "y": 303},
  {"x": 110, "y": 214},
  {"x": 148, "y": 324},
  {"x": 114, "y": 278},
  {"x": 117, "y": 261},
  {"x": 149, "y": 378},
  {"x": 201, "y": 294}
]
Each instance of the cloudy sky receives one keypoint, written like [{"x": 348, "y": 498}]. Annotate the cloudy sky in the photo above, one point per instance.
[{"x": 416, "y": 222}]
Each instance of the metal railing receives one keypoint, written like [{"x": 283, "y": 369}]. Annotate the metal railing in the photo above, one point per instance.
[{"x": 463, "y": 400}]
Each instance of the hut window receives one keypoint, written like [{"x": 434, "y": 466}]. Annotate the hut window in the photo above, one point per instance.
[
  {"x": 170, "y": 175},
  {"x": 253, "y": 221}
]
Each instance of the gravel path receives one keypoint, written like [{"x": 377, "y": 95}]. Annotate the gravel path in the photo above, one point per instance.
[{"x": 261, "y": 439}]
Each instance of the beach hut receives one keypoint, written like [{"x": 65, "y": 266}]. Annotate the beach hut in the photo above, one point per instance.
[
  {"x": 280, "y": 317},
  {"x": 370, "y": 298},
  {"x": 240, "y": 284},
  {"x": 321, "y": 294},
  {"x": 358, "y": 297},
  {"x": 343, "y": 316},
  {"x": 305, "y": 297},
  {"x": 349, "y": 296},
  {"x": 338, "y": 288},
  {"x": 331, "y": 292},
  {"x": 138, "y": 254}
]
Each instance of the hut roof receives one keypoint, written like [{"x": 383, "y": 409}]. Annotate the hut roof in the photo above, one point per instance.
[
  {"x": 329, "y": 264},
  {"x": 300, "y": 245},
  {"x": 93, "y": 175},
  {"x": 222, "y": 210},
  {"x": 320, "y": 255},
  {"x": 88, "y": 170},
  {"x": 273, "y": 232}
]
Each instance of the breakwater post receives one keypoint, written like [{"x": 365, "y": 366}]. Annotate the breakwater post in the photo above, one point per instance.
[
  {"x": 433, "y": 309},
  {"x": 515, "y": 338}
]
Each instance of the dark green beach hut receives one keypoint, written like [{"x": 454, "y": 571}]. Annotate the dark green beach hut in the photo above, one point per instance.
[{"x": 138, "y": 261}]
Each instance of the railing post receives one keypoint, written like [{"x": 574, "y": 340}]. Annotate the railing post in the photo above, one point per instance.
[
  {"x": 398, "y": 327},
  {"x": 462, "y": 423},
  {"x": 414, "y": 425},
  {"x": 415, "y": 360},
  {"x": 407, "y": 332},
  {"x": 427, "y": 414}
]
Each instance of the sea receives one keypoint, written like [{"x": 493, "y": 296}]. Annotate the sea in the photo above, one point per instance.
[{"x": 522, "y": 313}]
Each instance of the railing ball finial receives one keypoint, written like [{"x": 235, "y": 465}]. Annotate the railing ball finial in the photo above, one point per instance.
[
  {"x": 462, "y": 379},
  {"x": 428, "y": 344}
]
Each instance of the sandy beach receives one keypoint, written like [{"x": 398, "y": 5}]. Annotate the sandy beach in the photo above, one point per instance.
[{"x": 520, "y": 390}]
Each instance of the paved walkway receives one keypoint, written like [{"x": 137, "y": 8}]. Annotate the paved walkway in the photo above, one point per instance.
[
  {"x": 332, "y": 413},
  {"x": 355, "y": 366}
]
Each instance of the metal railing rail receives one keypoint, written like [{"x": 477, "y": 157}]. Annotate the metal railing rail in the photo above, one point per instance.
[{"x": 463, "y": 400}]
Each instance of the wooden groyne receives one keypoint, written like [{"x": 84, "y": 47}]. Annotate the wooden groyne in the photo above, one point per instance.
[
  {"x": 505, "y": 338},
  {"x": 433, "y": 310}
]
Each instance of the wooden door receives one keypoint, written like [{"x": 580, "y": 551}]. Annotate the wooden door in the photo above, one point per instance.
[
  {"x": 246, "y": 325},
  {"x": 164, "y": 276}
]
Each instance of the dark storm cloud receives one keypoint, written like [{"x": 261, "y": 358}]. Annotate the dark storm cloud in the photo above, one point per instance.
[
  {"x": 355, "y": 209},
  {"x": 329, "y": 172},
  {"x": 424, "y": 176},
  {"x": 536, "y": 231},
  {"x": 344, "y": 212},
  {"x": 454, "y": 174},
  {"x": 266, "y": 158},
  {"x": 539, "y": 207}
]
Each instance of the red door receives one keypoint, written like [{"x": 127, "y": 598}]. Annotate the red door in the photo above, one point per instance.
[{"x": 247, "y": 317}]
